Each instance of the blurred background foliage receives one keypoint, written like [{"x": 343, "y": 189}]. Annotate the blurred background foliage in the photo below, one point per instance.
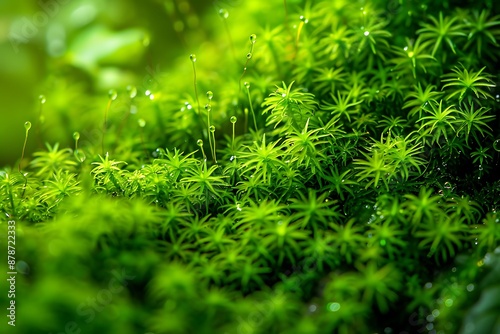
[{"x": 73, "y": 52}]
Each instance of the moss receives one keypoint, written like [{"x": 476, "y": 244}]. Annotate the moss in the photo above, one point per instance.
[{"x": 349, "y": 183}]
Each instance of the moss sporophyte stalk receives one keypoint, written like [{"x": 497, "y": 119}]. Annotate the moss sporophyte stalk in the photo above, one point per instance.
[{"x": 340, "y": 176}]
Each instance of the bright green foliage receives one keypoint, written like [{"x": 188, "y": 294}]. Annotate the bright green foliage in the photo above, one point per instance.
[
  {"x": 353, "y": 189},
  {"x": 423, "y": 208},
  {"x": 314, "y": 211},
  {"x": 488, "y": 233},
  {"x": 468, "y": 85},
  {"x": 108, "y": 174},
  {"x": 472, "y": 122},
  {"x": 419, "y": 99},
  {"x": 263, "y": 160},
  {"x": 348, "y": 239},
  {"x": 292, "y": 107},
  {"x": 53, "y": 161},
  {"x": 442, "y": 31},
  {"x": 374, "y": 168},
  {"x": 379, "y": 286},
  {"x": 343, "y": 106},
  {"x": 443, "y": 236},
  {"x": 412, "y": 58},
  {"x": 304, "y": 148},
  {"x": 438, "y": 123},
  {"x": 484, "y": 33}
]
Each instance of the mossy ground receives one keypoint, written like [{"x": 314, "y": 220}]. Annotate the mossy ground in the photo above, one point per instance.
[{"x": 333, "y": 170}]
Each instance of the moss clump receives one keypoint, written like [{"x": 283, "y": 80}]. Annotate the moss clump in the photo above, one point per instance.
[{"x": 341, "y": 178}]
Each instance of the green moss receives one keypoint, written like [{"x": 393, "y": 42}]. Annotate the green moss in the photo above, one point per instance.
[{"x": 351, "y": 186}]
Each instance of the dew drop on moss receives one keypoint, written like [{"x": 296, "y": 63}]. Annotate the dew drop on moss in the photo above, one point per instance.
[
  {"x": 132, "y": 91},
  {"x": 42, "y": 99},
  {"x": 76, "y": 136},
  {"x": 27, "y": 125},
  {"x": 141, "y": 122},
  {"x": 80, "y": 156},
  {"x": 253, "y": 38},
  {"x": 249, "y": 55},
  {"x": 246, "y": 84},
  {"x": 199, "y": 142},
  {"x": 223, "y": 13},
  {"x": 212, "y": 128},
  {"x": 208, "y": 107},
  {"x": 233, "y": 119},
  {"x": 112, "y": 94},
  {"x": 210, "y": 95},
  {"x": 192, "y": 56}
]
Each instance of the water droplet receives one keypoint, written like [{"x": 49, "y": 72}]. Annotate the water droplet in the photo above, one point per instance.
[
  {"x": 112, "y": 94},
  {"x": 303, "y": 19},
  {"x": 132, "y": 91},
  {"x": 447, "y": 185},
  {"x": 411, "y": 54},
  {"x": 366, "y": 33},
  {"x": 141, "y": 122},
  {"x": 76, "y": 136},
  {"x": 210, "y": 95},
  {"x": 333, "y": 307},
  {"x": 480, "y": 167},
  {"x": 27, "y": 125},
  {"x": 249, "y": 55},
  {"x": 448, "y": 302},
  {"x": 80, "y": 156},
  {"x": 208, "y": 107},
  {"x": 428, "y": 285},
  {"x": 496, "y": 145},
  {"x": 470, "y": 287},
  {"x": 42, "y": 99},
  {"x": 223, "y": 13},
  {"x": 247, "y": 85},
  {"x": 253, "y": 38},
  {"x": 212, "y": 128},
  {"x": 199, "y": 142},
  {"x": 312, "y": 308},
  {"x": 192, "y": 56},
  {"x": 233, "y": 119}
]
